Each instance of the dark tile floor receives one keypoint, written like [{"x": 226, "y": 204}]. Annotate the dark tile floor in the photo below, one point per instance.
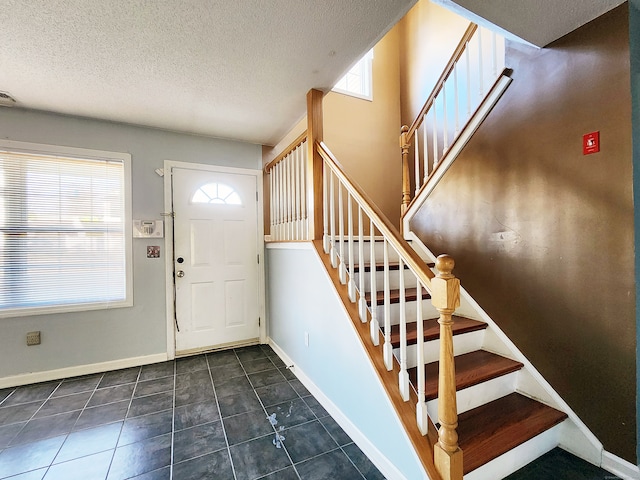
[
  {"x": 560, "y": 465},
  {"x": 238, "y": 414}
]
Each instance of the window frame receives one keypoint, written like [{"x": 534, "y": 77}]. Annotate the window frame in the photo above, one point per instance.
[
  {"x": 13, "y": 146},
  {"x": 366, "y": 66}
]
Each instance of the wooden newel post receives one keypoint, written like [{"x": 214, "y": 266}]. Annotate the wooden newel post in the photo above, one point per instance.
[
  {"x": 445, "y": 296},
  {"x": 406, "y": 179},
  {"x": 314, "y": 163}
]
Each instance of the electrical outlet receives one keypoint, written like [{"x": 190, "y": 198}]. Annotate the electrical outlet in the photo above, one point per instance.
[
  {"x": 33, "y": 338},
  {"x": 306, "y": 339}
]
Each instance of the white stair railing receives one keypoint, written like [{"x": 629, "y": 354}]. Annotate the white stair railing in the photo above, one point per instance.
[
  {"x": 473, "y": 69},
  {"x": 289, "y": 211},
  {"x": 336, "y": 187}
]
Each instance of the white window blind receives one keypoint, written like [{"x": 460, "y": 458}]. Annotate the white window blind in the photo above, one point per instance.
[{"x": 63, "y": 242}]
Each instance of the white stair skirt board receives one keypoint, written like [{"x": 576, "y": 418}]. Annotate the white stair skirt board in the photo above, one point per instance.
[
  {"x": 465, "y": 135},
  {"x": 60, "y": 373},
  {"x": 377, "y": 458},
  {"x": 516, "y": 458}
]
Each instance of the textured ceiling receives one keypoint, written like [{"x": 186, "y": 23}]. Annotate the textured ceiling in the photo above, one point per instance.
[
  {"x": 237, "y": 70},
  {"x": 539, "y": 22},
  {"x": 233, "y": 69}
]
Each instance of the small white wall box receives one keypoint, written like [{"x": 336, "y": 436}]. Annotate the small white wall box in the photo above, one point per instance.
[{"x": 148, "y": 229}]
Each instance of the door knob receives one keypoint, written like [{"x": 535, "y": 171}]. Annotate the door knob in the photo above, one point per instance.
[{"x": 179, "y": 274}]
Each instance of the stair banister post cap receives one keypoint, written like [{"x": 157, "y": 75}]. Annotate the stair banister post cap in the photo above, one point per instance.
[
  {"x": 445, "y": 264},
  {"x": 404, "y": 141}
]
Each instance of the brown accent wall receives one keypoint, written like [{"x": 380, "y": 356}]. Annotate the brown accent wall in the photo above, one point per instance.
[{"x": 542, "y": 235}]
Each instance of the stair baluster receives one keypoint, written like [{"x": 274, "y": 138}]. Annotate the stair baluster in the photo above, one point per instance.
[
  {"x": 342, "y": 269},
  {"x": 351, "y": 282},
  {"x": 421, "y": 406},
  {"x": 362, "y": 302},
  {"x": 375, "y": 324},
  {"x": 403, "y": 376},
  {"x": 327, "y": 240},
  {"x": 388, "y": 348},
  {"x": 332, "y": 221}
]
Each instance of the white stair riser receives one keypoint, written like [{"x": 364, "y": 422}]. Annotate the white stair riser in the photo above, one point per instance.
[
  {"x": 518, "y": 457},
  {"x": 378, "y": 252},
  {"x": 394, "y": 280},
  {"x": 465, "y": 343},
  {"x": 477, "y": 395},
  {"x": 428, "y": 311}
]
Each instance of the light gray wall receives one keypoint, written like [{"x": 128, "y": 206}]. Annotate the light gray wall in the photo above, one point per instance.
[
  {"x": 301, "y": 298},
  {"x": 75, "y": 339}
]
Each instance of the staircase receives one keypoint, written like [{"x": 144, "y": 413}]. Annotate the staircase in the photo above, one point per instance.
[
  {"x": 454, "y": 374},
  {"x": 493, "y": 417},
  {"x": 485, "y": 411}
]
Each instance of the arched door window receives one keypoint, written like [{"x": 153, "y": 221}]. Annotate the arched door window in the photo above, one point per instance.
[{"x": 217, "y": 193}]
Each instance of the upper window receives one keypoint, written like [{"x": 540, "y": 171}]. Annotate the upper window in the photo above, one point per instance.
[
  {"x": 65, "y": 235},
  {"x": 358, "y": 81},
  {"x": 216, "y": 193}
]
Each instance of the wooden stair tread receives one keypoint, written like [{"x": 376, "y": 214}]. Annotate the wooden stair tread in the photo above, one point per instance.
[
  {"x": 410, "y": 295},
  {"x": 380, "y": 267},
  {"x": 471, "y": 369},
  {"x": 432, "y": 329},
  {"x": 492, "y": 429}
]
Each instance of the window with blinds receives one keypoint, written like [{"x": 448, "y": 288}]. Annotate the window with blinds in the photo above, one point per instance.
[{"x": 64, "y": 237}]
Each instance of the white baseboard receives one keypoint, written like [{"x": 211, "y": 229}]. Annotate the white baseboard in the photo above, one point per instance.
[
  {"x": 379, "y": 460},
  {"x": 47, "y": 375},
  {"x": 620, "y": 467}
]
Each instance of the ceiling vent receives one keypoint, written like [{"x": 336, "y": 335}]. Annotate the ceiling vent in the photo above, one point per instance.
[{"x": 6, "y": 100}]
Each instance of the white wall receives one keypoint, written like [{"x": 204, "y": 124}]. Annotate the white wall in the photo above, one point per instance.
[
  {"x": 301, "y": 298},
  {"x": 75, "y": 339}
]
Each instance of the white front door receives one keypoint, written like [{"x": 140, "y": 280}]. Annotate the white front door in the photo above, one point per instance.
[{"x": 216, "y": 258}]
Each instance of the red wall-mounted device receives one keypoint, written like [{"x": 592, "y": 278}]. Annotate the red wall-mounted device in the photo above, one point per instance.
[{"x": 591, "y": 143}]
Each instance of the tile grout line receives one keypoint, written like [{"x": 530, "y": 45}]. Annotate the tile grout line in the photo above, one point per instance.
[
  {"x": 267, "y": 413},
  {"x": 341, "y": 447},
  {"x": 30, "y": 419},
  {"x": 224, "y": 430},
  {"x": 126, "y": 415},
  {"x": 76, "y": 422},
  {"x": 173, "y": 417}
]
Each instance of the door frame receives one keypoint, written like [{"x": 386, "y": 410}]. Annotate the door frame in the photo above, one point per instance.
[{"x": 169, "y": 245}]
